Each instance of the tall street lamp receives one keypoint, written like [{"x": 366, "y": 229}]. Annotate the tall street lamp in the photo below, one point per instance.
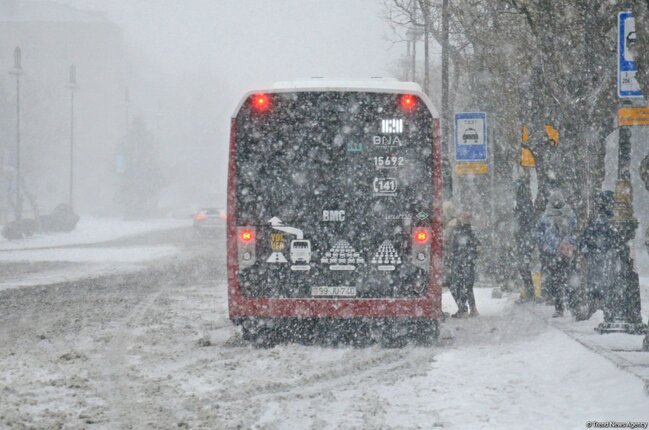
[
  {"x": 17, "y": 71},
  {"x": 447, "y": 175},
  {"x": 73, "y": 86}
]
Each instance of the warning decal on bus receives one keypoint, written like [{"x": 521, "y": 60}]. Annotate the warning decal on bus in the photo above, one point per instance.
[
  {"x": 342, "y": 256},
  {"x": 386, "y": 257}
]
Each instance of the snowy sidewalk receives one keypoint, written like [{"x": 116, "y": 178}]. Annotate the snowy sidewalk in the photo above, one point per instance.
[{"x": 624, "y": 350}]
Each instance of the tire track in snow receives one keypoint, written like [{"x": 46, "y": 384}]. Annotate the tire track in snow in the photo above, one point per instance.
[
  {"x": 119, "y": 389},
  {"x": 388, "y": 364}
]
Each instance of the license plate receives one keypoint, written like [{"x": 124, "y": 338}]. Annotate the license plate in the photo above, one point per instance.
[{"x": 333, "y": 291}]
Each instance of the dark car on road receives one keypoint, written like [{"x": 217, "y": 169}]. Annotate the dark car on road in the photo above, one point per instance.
[{"x": 207, "y": 221}]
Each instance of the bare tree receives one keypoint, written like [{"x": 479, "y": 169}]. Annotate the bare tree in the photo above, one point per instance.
[{"x": 641, "y": 14}]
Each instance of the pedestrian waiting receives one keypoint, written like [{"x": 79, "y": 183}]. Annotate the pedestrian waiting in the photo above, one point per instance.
[
  {"x": 597, "y": 245},
  {"x": 450, "y": 223},
  {"x": 555, "y": 234},
  {"x": 463, "y": 256}
]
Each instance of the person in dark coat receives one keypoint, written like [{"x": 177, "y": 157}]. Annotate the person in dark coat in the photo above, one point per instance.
[
  {"x": 464, "y": 253},
  {"x": 450, "y": 224},
  {"x": 597, "y": 245},
  {"x": 555, "y": 234}
]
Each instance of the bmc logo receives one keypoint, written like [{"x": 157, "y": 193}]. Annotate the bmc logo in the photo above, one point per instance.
[{"x": 333, "y": 216}]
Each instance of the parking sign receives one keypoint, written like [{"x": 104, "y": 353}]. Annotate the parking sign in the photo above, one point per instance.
[{"x": 471, "y": 136}]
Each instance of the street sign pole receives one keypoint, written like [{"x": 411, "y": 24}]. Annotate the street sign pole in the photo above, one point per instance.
[
  {"x": 622, "y": 308},
  {"x": 493, "y": 185}
]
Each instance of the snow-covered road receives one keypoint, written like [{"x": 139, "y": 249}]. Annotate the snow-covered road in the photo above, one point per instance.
[{"x": 156, "y": 350}]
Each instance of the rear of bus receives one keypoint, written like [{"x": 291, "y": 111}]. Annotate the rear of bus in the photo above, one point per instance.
[{"x": 333, "y": 208}]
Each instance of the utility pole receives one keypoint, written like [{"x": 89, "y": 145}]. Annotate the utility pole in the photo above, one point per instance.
[
  {"x": 447, "y": 176},
  {"x": 17, "y": 71},
  {"x": 73, "y": 86}
]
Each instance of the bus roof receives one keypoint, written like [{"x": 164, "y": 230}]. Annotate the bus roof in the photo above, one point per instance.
[{"x": 382, "y": 85}]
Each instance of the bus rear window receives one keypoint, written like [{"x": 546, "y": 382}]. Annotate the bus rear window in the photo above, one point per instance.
[{"x": 340, "y": 176}]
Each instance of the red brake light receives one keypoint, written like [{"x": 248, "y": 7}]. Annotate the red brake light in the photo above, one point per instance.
[
  {"x": 260, "y": 102},
  {"x": 247, "y": 235},
  {"x": 408, "y": 101},
  {"x": 421, "y": 236},
  {"x": 199, "y": 217}
]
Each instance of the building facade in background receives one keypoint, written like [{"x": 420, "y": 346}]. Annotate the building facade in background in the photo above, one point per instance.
[{"x": 53, "y": 36}]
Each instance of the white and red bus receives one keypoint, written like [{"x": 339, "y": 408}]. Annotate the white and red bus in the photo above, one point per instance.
[{"x": 334, "y": 210}]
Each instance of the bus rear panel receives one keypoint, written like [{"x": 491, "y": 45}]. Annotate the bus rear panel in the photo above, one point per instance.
[{"x": 333, "y": 206}]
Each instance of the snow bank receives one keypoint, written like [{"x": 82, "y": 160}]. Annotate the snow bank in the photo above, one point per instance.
[
  {"x": 91, "y": 255},
  {"x": 94, "y": 230}
]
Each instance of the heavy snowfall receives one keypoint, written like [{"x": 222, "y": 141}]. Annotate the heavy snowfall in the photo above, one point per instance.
[{"x": 377, "y": 214}]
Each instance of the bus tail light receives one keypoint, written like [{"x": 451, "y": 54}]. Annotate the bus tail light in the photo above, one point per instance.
[
  {"x": 408, "y": 102},
  {"x": 246, "y": 246},
  {"x": 421, "y": 235},
  {"x": 421, "y": 247},
  {"x": 260, "y": 102},
  {"x": 247, "y": 235}
]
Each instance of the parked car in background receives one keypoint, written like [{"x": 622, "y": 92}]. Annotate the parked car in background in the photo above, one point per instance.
[{"x": 62, "y": 219}]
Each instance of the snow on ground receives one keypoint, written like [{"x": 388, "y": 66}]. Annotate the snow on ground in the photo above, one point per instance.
[
  {"x": 543, "y": 382},
  {"x": 508, "y": 370},
  {"x": 94, "y": 230},
  {"x": 87, "y": 252},
  {"x": 91, "y": 255},
  {"x": 77, "y": 263},
  {"x": 157, "y": 350},
  {"x": 66, "y": 273}
]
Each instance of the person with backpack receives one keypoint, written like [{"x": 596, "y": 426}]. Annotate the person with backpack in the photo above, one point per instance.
[{"x": 555, "y": 234}]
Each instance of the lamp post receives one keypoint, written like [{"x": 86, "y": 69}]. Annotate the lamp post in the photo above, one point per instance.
[
  {"x": 447, "y": 175},
  {"x": 73, "y": 86},
  {"x": 17, "y": 71}
]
